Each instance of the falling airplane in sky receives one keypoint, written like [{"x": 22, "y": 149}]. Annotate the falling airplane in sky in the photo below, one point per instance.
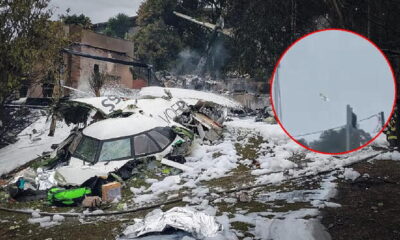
[{"x": 323, "y": 97}]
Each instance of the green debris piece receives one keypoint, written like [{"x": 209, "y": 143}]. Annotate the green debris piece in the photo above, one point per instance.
[
  {"x": 183, "y": 132},
  {"x": 13, "y": 227},
  {"x": 179, "y": 142},
  {"x": 43, "y": 162},
  {"x": 121, "y": 206},
  {"x": 63, "y": 197}
]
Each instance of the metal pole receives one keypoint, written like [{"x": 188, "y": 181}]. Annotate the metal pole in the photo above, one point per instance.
[
  {"x": 148, "y": 76},
  {"x": 277, "y": 95},
  {"x": 382, "y": 119},
  {"x": 348, "y": 126}
]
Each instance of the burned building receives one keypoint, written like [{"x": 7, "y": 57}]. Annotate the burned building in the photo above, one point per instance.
[{"x": 78, "y": 69}]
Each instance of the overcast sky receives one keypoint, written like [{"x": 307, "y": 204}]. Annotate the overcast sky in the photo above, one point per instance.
[
  {"x": 97, "y": 10},
  {"x": 343, "y": 67}
]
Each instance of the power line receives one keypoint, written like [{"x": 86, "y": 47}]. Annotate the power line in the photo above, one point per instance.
[
  {"x": 320, "y": 131},
  {"x": 341, "y": 126},
  {"x": 376, "y": 114}
]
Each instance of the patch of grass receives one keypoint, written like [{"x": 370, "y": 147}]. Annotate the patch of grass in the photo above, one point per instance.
[
  {"x": 241, "y": 169},
  {"x": 251, "y": 150},
  {"x": 283, "y": 206},
  {"x": 252, "y": 206},
  {"x": 287, "y": 186},
  {"x": 137, "y": 183},
  {"x": 18, "y": 228},
  {"x": 241, "y": 226},
  {"x": 308, "y": 217},
  {"x": 223, "y": 182},
  {"x": 172, "y": 205},
  {"x": 232, "y": 181},
  {"x": 235, "y": 178},
  {"x": 216, "y": 155}
]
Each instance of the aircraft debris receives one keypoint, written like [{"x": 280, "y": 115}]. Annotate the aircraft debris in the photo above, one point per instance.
[{"x": 197, "y": 224}]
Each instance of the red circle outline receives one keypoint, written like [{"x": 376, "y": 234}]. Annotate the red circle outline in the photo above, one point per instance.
[{"x": 273, "y": 77}]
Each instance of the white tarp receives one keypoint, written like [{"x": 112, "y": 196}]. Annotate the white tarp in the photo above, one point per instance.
[{"x": 199, "y": 224}]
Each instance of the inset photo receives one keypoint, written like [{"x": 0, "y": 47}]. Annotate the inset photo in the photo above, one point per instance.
[{"x": 333, "y": 91}]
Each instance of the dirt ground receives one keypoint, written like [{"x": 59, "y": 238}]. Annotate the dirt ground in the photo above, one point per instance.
[
  {"x": 370, "y": 205},
  {"x": 16, "y": 226}
]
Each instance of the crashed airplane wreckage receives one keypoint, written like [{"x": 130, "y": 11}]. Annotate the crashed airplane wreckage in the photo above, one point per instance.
[{"x": 115, "y": 138}]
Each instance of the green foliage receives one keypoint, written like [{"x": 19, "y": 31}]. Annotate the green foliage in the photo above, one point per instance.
[
  {"x": 97, "y": 80},
  {"x": 80, "y": 20},
  {"x": 29, "y": 43},
  {"x": 133, "y": 73},
  {"x": 163, "y": 35},
  {"x": 156, "y": 17},
  {"x": 152, "y": 11},
  {"x": 157, "y": 43},
  {"x": 263, "y": 29},
  {"x": 334, "y": 141},
  {"x": 118, "y": 26}
]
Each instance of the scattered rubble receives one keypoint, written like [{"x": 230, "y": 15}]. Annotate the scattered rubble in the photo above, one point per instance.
[
  {"x": 189, "y": 155},
  {"x": 115, "y": 137}
]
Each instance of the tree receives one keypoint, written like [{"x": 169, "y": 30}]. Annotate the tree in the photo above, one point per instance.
[
  {"x": 158, "y": 44},
  {"x": 97, "y": 80},
  {"x": 29, "y": 45},
  {"x": 118, "y": 26},
  {"x": 156, "y": 19},
  {"x": 263, "y": 29},
  {"x": 334, "y": 141},
  {"x": 80, "y": 20}
]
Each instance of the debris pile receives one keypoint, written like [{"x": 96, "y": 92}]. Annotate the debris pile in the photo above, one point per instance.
[
  {"x": 189, "y": 81},
  {"x": 265, "y": 115},
  {"x": 116, "y": 139}
]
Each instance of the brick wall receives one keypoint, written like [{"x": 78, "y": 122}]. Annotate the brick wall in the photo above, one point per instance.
[{"x": 79, "y": 69}]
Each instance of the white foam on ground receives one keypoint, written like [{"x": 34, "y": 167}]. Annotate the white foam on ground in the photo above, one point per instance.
[{"x": 27, "y": 148}]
